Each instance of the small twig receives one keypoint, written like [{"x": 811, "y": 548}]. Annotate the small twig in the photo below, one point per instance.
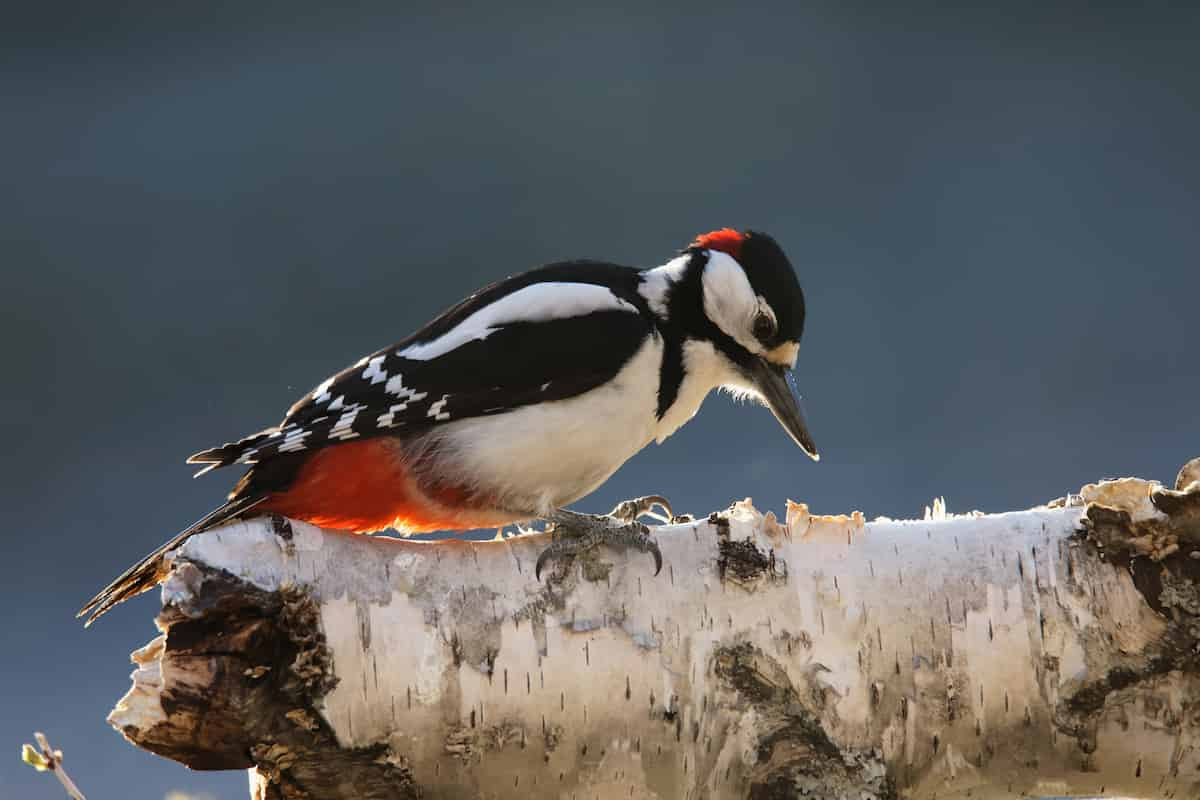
[{"x": 48, "y": 759}]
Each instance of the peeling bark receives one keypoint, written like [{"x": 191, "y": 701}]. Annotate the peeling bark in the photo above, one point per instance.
[{"x": 1049, "y": 651}]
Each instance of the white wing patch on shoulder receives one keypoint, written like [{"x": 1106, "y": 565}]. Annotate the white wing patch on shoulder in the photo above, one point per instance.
[{"x": 536, "y": 303}]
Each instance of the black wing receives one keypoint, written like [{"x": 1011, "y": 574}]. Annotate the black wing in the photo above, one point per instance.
[{"x": 534, "y": 357}]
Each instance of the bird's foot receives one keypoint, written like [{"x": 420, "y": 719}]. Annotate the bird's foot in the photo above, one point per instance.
[
  {"x": 639, "y": 507},
  {"x": 577, "y": 533},
  {"x": 644, "y": 507}
]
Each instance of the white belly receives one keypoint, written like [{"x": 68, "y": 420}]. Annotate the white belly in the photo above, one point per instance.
[{"x": 538, "y": 458}]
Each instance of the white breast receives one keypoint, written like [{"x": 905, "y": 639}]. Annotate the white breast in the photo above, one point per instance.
[{"x": 541, "y": 457}]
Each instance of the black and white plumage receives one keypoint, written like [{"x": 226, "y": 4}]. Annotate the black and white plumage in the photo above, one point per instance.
[
  {"x": 549, "y": 334},
  {"x": 524, "y": 397}
]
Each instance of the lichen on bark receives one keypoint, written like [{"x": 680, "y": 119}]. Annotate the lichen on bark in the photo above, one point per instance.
[{"x": 795, "y": 756}]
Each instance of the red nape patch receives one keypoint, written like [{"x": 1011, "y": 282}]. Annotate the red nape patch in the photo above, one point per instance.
[{"x": 727, "y": 240}]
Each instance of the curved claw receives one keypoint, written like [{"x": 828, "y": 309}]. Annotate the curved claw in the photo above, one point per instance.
[
  {"x": 657, "y": 555},
  {"x": 635, "y": 535},
  {"x": 631, "y": 510},
  {"x": 556, "y": 549},
  {"x": 542, "y": 558}
]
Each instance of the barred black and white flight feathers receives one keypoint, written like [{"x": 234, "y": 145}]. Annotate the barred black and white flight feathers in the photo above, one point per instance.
[{"x": 547, "y": 334}]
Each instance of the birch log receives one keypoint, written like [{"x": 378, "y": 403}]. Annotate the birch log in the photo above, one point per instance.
[{"x": 1043, "y": 652}]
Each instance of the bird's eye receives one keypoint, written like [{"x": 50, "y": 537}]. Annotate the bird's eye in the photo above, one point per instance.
[{"x": 764, "y": 327}]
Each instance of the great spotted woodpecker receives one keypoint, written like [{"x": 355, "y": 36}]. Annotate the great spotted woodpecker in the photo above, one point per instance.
[{"x": 521, "y": 399}]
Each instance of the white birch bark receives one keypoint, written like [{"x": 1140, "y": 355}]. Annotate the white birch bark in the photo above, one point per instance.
[{"x": 975, "y": 656}]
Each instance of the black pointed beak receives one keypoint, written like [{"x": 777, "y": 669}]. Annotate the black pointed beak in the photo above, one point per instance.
[{"x": 778, "y": 388}]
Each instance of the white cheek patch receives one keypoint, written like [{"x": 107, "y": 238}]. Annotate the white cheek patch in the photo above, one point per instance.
[
  {"x": 730, "y": 300},
  {"x": 536, "y": 303}
]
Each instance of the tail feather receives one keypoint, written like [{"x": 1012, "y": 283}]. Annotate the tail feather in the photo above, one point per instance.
[
  {"x": 145, "y": 574},
  {"x": 230, "y": 453}
]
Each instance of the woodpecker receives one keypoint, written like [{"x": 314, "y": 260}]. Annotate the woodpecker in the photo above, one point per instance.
[{"x": 521, "y": 399}]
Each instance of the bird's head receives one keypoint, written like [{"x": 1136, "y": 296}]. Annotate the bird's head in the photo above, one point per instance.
[{"x": 747, "y": 303}]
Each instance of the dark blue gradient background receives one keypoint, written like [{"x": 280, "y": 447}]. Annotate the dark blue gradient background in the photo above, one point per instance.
[{"x": 204, "y": 212}]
